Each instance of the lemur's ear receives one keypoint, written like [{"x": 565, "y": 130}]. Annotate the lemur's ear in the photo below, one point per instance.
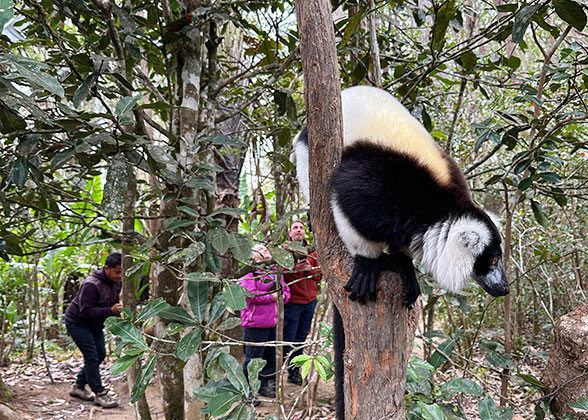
[
  {"x": 495, "y": 218},
  {"x": 470, "y": 240}
]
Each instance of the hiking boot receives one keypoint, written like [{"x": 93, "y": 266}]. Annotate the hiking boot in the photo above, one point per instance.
[
  {"x": 81, "y": 393},
  {"x": 268, "y": 391},
  {"x": 102, "y": 399},
  {"x": 295, "y": 378}
]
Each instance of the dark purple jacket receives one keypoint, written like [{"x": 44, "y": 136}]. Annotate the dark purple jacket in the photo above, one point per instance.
[{"x": 93, "y": 303}]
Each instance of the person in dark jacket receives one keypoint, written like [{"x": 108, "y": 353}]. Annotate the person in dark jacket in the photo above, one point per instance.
[
  {"x": 298, "y": 312},
  {"x": 97, "y": 299}
]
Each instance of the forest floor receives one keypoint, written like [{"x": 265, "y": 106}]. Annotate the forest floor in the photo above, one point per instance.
[{"x": 36, "y": 397}]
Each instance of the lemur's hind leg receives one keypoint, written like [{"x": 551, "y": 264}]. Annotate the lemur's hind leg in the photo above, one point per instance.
[
  {"x": 362, "y": 283},
  {"x": 402, "y": 264}
]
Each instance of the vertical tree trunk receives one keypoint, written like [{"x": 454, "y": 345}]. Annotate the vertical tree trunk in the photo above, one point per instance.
[
  {"x": 380, "y": 334},
  {"x": 141, "y": 408},
  {"x": 166, "y": 285}
]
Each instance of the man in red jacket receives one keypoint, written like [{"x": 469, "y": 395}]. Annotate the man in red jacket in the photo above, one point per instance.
[{"x": 299, "y": 310}]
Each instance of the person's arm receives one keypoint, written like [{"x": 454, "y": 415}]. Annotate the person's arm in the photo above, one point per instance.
[
  {"x": 88, "y": 298},
  {"x": 285, "y": 291},
  {"x": 316, "y": 271}
]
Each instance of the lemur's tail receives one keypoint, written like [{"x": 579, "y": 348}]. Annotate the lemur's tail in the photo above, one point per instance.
[
  {"x": 339, "y": 345},
  {"x": 299, "y": 157}
]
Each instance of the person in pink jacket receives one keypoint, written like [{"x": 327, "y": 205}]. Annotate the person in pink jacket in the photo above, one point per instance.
[{"x": 259, "y": 318}]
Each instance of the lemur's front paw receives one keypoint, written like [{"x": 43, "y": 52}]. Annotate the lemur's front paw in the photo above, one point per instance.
[
  {"x": 362, "y": 283},
  {"x": 409, "y": 299}
]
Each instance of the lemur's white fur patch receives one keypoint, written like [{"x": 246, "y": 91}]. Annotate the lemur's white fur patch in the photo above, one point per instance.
[
  {"x": 372, "y": 114},
  {"x": 356, "y": 243},
  {"x": 299, "y": 157},
  {"x": 449, "y": 249}
]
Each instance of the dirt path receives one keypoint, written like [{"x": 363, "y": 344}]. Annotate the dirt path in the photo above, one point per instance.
[{"x": 35, "y": 397}]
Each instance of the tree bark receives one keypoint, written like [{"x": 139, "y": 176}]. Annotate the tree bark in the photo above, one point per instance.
[
  {"x": 141, "y": 407},
  {"x": 566, "y": 373},
  {"x": 380, "y": 334}
]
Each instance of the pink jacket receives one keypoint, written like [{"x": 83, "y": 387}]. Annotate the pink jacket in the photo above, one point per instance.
[{"x": 261, "y": 310}]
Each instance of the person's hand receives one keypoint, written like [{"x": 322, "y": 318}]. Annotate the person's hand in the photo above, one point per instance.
[
  {"x": 275, "y": 297},
  {"x": 302, "y": 265},
  {"x": 116, "y": 308}
]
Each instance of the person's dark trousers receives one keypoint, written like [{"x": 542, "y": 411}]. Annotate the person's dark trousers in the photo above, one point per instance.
[
  {"x": 267, "y": 353},
  {"x": 91, "y": 344},
  {"x": 297, "y": 323}
]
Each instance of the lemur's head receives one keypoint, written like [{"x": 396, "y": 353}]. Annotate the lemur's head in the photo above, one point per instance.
[{"x": 466, "y": 247}]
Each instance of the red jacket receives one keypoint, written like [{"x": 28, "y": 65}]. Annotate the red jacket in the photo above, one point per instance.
[{"x": 304, "y": 291}]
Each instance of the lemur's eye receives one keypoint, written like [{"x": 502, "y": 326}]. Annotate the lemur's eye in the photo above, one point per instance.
[{"x": 495, "y": 260}]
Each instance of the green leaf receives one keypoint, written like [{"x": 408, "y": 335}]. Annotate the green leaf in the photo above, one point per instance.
[
  {"x": 31, "y": 70},
  {"x": 581, "y": 404},
  {"x": 468, "y": 60},
  {"x": 522, "y": 20},
  {"x": 431, "y": 411},
  {"x": 115, "y": 188},
  {"x": 177, "y": 314},
  {"x": 160, "y": 155},
  {"x": 234, "y": 373},
  {"x": 82, "y": 91},
  {"x": 189, "y": 211},
  {"x": 550, "y": 176},
  {"x": 241, "y": 247},
  {"x": 437, "y": 359},
  {"x": 143, "y": 379},
  {"x": 419, "y": 363},
  {"x": 61, "y": 158},
  {"x": 282, "y": 256},
  {"x": 253, "y": 369},
  {"x": 6, "y": 12},
  {"x": 525, "y": 183},
  {"x": 229, "y": 324},
  {"x": 571, "y": 12},
  {"x": 126, "y": 331},
  {"x": 234, "y": 297},
  {"x": 188, "y": 345},
  {"x": 530, "y": 379},
  {"x": 10, "y": 121},
  {"x": 152, "y": 309},
  {"x": 20, "y": 171},
  {"x": 239, "y": 413},
  {"x": 126, "y": 105},
  {"x": 487, "y": 409},
  {"x": 220, "y": 240},
  {"x": 351, "y": 27},
  {"x": 221, "y": 403},
  {"x": 198, "y": 297},
  {"x": 195, "y": 249},
  {"x": 123, "y": 363},
  {"x": 442, "y": 17},
  {"x": 461, "y": 385},
  {"x": 539, "y": 213},
  {"x": 320, "y": 368}
]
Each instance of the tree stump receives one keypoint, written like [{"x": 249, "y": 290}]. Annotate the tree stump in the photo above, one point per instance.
[{"x": 566, "y": 373}]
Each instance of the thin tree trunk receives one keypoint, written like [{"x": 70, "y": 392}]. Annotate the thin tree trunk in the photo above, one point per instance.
[
  {"x": 141, "y": 407},
  {"x": 380, "y": 334}
]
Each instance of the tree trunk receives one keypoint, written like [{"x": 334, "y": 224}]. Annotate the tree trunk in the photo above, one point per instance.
[
  {"x": 380, "y": 334},
  {"x": 141, "y": 408},
  {"x": 5, "y": 393},
  {"x": 566, "y": 373},
  {"x": 167, "y": 286}
]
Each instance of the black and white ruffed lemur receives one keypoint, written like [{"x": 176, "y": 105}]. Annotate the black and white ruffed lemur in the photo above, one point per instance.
[{"x": 396, "y": 196}]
